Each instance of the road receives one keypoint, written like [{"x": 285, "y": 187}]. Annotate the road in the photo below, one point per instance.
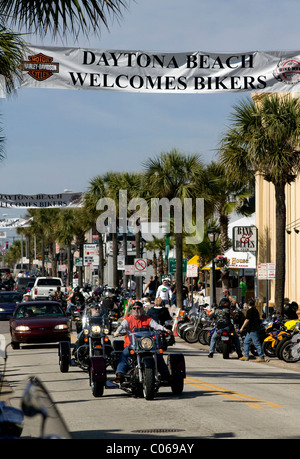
[{"x": 221, "y": 399}]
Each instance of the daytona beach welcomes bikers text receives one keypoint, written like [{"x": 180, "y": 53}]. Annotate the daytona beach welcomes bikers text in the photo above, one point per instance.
[{"x": 193, "y": 71}]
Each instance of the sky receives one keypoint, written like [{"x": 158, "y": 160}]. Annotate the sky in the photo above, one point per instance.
[{"x": 61, "y": 139}]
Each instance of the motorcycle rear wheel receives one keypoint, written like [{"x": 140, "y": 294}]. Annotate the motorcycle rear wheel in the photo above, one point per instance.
[
  {"x": 149, "y": 383},
  {"x": 177, "y": 386}
]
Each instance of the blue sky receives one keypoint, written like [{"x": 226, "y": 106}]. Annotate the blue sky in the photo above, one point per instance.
[{"x": 59, "y": 139}]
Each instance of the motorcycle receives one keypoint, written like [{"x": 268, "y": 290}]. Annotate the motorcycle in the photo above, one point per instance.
[
  {"x": 143, "y": 378},
  {"x": 35, "y": 401},
  {"x": 92, "y": 354},
  {"x": 277, "y": 330},
  {"x": 192, "y": 331},
  {"x": 289, "y": 350},
  {"x": 74, "y": 311}
]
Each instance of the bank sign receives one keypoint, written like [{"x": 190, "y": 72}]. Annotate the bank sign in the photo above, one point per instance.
[
  {"x": 244, "y": 238},
  {"x": 160, "y": 72}
]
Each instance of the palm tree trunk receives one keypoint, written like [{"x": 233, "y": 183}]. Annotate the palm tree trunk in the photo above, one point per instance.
[
  {"x": 179, "y": 274},
  {"x": 115, "y": 259},
  {"x": 280, "y": 247}
]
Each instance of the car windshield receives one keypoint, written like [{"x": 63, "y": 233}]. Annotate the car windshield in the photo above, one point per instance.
[
  {"x": 39, "y": 310},
  {"x": 10, "y": 298}
]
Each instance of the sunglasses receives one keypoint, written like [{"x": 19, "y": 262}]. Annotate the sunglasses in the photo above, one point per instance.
[{"x": 137, "y": 308}]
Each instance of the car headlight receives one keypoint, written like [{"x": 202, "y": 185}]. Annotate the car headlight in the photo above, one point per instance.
[
  {"x": 2, "y": 310},
  {"x": 61, "y": 327},
  {"x": 96, "y": 329},
  {"x": 146, "y": 343},
  {"x": 22, "y": 328}
]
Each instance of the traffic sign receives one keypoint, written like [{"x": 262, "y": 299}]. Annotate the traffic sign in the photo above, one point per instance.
[
  {"x": 266, "y": 270},
  {"x": 192, "y": 271},
  {"x": 140, "y": 266}
]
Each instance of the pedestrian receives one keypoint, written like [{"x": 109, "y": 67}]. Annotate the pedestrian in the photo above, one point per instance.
[
  {"x": 159, "y": 312},
  {"x": 226, "y": 294},
  {"x": 151, "y": 287},
  {"x": 164, "y": 291},
  {"x": 243, "y": 287},
  {"x": 222, "y": 315},
  {"x": 252, "y": 325}
]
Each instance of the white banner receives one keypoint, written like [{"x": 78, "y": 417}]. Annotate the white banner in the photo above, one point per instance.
[
  {"x": 160, "y": 72},
  {"x": 41, "y": 201},
  {"x": 15, "y": 223}
]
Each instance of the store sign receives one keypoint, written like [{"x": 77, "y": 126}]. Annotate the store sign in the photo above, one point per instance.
[{"x": 244, "y": 238}]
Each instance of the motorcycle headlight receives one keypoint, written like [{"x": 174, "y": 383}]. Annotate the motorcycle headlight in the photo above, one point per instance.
[
  {"x": 146, "y": 343},
  {"x": 96, "y": 329},
  {"x": 106, "y": 331}
]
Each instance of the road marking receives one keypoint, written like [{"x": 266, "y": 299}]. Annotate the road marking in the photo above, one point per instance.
[{"x": 253, "y": 402}]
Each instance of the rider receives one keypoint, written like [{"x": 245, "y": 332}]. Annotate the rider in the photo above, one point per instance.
[
  {"x": 138, "y": 319},
  {"x": 93, "y": 312},
  {"x": 77, "y": 297},
  {"x": 222, "y": 316}
]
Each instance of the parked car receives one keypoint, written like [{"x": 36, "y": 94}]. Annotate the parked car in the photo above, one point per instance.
[
  {"x": 22, "y": 283},
  {"x": 8, "y": 303},
  {"x": 39, "y": 322}
]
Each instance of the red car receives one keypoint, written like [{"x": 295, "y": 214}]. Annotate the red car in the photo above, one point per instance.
[{"x": 39, "y": 322}]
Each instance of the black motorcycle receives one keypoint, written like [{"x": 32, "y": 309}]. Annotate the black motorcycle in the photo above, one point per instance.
[
  {"x": 92, "y": 353},
  {"x": 143, "y": 377}
]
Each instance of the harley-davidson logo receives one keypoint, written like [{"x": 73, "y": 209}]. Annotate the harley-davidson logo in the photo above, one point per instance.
[
  {"x": 288, "y": 71},
  {"x": 40, "y": 67}
]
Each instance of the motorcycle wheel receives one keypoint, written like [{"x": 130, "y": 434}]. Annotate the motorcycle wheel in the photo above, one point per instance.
[
  {"x": 279, "y": 347},
  {"x": 97, "y": 387},
  {"x": 226, "y": 350},
  {"x": 286, "y": 352},
  {"x": 177, "y": 386},
  {"x": 149, "y": 384},
  {"x": 201, "y": 337},
  {"x": 268, "y": 350},
  {"x": 191, "y": 336},
  {"x": 181, "y": 329}
]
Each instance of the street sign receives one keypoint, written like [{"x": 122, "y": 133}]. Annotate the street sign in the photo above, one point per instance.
[
  {"x": 78, "y": 261},
  {"x": 91, "y": 254},
  {"x": 140, "y": 266},
  {"x": 266, "y": 270},
  {"x": 192, "y": 271},
  {"x": 172, "y": 265},
  {"x": 129, "y": 270}
]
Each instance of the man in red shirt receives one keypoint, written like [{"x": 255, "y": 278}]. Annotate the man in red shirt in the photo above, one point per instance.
[{"x": 138, "y": 319}]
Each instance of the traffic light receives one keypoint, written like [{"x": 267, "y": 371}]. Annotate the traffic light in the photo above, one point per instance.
[{"x": 6, "y": 245}]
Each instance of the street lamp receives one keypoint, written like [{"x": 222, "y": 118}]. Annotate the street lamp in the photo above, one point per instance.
[{"x": 213, "y": 235}]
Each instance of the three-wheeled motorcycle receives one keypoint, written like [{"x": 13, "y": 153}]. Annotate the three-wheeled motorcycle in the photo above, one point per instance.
[
  {"x": 144, "y": 376},
  {"x": 92, "y": 353}
]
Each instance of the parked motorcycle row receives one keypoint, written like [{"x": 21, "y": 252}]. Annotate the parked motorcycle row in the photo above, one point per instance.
[{"x": 280, "y": 337}]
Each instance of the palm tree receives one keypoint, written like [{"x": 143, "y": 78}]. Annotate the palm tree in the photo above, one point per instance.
[
  {"x": 174, "y": 175},
  {"x": 61, "y": 17},
  {"x": 226, "y": 195},
  {"x": 264, "y": 138}
]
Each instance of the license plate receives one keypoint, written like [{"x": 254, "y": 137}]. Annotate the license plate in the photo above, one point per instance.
[{"x": 224, "y": 338}]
